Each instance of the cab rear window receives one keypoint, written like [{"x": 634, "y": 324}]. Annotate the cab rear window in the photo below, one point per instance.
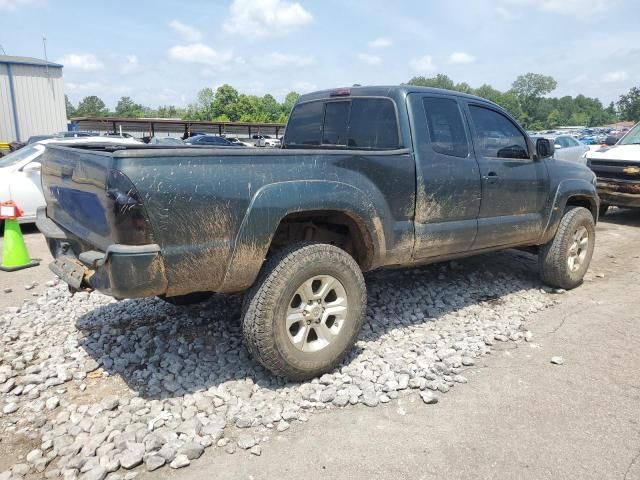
[{"x": 358, "y": 123}]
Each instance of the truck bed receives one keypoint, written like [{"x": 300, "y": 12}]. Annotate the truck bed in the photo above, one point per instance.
[{"x": 213, "y": 211}]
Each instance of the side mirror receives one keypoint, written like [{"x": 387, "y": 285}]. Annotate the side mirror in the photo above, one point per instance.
[
  {"x": 610, "y": 140},
  {"x": 557, "y": 146},
  {"x": 32, "y": 167},
  {"x": 544, "y": 148}
]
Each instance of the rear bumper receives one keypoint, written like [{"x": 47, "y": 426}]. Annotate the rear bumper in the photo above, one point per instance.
[
  {"x": 123, "y": 271},
  {"x": 619, "y": 193}
]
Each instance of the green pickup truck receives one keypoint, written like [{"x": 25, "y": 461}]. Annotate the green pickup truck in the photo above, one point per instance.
[{"x": 366, "y": 177}]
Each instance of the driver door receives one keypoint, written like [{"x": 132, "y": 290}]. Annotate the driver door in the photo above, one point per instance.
[{"x": 514, "y": 185}]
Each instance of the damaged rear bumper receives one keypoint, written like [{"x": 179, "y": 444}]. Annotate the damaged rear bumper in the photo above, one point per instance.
[{"x": 122, "y": 271}]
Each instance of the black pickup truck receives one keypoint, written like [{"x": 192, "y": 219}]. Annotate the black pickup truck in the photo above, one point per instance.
[{"x": 367, "y": 177}]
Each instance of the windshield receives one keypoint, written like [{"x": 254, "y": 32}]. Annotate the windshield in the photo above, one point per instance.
[
  {"x": 19, "y": 155},
  {"x": 631, "y": 138}
]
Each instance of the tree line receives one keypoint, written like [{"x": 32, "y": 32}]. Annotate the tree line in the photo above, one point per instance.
[
  {"x": 528, "y": 100},
  {"x": 226, "y": 104}
]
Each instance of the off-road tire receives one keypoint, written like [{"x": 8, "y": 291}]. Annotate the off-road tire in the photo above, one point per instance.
[
  {"x": 264, "y": 313},
  {"x": 188, "y": 299},
  {"x": 553, "y": 256}
]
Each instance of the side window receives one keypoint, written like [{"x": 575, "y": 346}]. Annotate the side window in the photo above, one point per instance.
[
  {"x": 336, "y": 123},
  {"x": 373, "y": 124},
  {"x": 446, "y": 128},
  {"x": 573, "y": 142},
  {"x": 497, "y": 136},
  {"x": 305, "y": 125}
]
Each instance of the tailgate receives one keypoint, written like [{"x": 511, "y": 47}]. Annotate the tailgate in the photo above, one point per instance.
[{"x": 91, "y": 199}]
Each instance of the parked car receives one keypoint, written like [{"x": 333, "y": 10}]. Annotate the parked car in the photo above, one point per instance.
[
  {"x": 568, "y": 148},
  {"x": 211, "y": 140},
  {"x": 237, "y": 142},
  {"x": 165, "y": 141},
  {"x": 617, "y": 167},
  {"x": 266, "y": 141},
  {"x": 20, "y": 172},
  {"x": 368, "y": 177}
]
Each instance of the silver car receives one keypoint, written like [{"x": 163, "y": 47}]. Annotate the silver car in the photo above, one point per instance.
[{"x": 568, "y": 148}]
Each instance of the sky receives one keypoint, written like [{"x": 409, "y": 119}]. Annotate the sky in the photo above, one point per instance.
[{"x": 163, "y": 52}]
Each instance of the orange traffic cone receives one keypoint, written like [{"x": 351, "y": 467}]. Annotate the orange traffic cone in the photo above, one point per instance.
[{"x": 14, "y": 251}]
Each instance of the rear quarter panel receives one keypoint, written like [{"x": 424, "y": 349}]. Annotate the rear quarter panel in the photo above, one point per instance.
[{"x": 214, "y": 214}]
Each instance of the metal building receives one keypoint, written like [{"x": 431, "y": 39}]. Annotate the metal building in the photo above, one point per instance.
[{"x": 31, "y": 98}]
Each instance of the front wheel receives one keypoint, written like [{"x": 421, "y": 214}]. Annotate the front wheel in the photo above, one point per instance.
[
  {"x": 565, "y": 259},
  {"x": 305, "y": 311}
]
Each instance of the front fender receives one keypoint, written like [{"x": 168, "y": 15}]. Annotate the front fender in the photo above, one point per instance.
[
  {"x": 566, "y": 190},
  {"x": 273, "y": 202}
]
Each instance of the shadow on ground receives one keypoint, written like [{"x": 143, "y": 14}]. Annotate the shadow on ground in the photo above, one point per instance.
[
  {"x": 162, "y": 351},
  {"x": 622, "y": 216}
]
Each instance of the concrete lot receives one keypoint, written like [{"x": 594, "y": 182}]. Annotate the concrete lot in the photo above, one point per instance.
[
  {"x": 18, "y": 280},
  {"x": 519, "y": 416}
]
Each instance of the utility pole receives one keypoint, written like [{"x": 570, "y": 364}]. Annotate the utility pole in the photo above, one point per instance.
[{"x": 44, "y": 46}]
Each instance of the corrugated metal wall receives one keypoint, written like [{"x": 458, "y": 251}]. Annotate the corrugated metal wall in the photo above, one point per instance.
[
  {"x": 7, "y": 132},
  {"x": 39, "y": 100}
]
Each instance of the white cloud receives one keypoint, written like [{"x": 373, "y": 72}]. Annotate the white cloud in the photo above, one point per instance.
[
  {"x": 381, "y": 42},
  {"x": 304, "y": 87},
  {"x": 612, "y": 77},
  {"x": 188, "y": 33},
  {"x": 573, "y": 8},
  {"x": 201, "y": 54},
  {"x": 83, "y": 87},
  {"x": 81, "y": 61},
  {"x": 262, "y": 18},
  {"x": 129, "y": 64},
  {"x": 12, "y": 5},
  {"x": 423, "y": 64},
  {"x": 278, "y": 60},
  {"x": 368, "y": 59},
  {"x": 461, "y": 58}
]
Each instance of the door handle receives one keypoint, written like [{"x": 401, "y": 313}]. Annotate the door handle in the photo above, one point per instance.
[{"x": 491, "y": 177}]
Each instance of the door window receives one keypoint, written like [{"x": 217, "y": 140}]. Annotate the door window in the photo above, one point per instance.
[
  {"x": 496, "y": 135},
  {"x": 446, "y": 128}
]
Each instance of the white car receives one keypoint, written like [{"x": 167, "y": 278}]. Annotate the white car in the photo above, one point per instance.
[
  {"x": 567, "y": 148},
  {"x": 20, "y": 173},
  {"x": 266, "y": 141}
]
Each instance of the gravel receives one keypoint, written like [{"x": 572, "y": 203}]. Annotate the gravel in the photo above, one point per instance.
[{"x": 100, "y": 386}]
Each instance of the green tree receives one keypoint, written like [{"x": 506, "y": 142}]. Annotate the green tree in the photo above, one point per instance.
[
  {"x": 530, "y": 88},
  {"x": 289, "y": 101},
  {"x": 269, "y": 108},
  {"x": 71, "y": 110},
  {"x": 126, "y": 107},
  {"x": 506, "y": 100},
  {"x": 224, "y": 99},
  {"x": 439, "y": 81},
  {"x": 629, "y": 105},
  {"x": 554, "y": 119},
  {"x": 92, "y": 106}
]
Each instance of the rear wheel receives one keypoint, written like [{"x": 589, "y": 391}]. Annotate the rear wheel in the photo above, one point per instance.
[
  {"x": 189, "y": 299},
  {"x": 305, "y": 311},
  {"x": 565, "y": 259}
]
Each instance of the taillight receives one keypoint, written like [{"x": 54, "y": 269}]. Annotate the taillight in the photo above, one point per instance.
[{"x": 130, "y": 219}]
